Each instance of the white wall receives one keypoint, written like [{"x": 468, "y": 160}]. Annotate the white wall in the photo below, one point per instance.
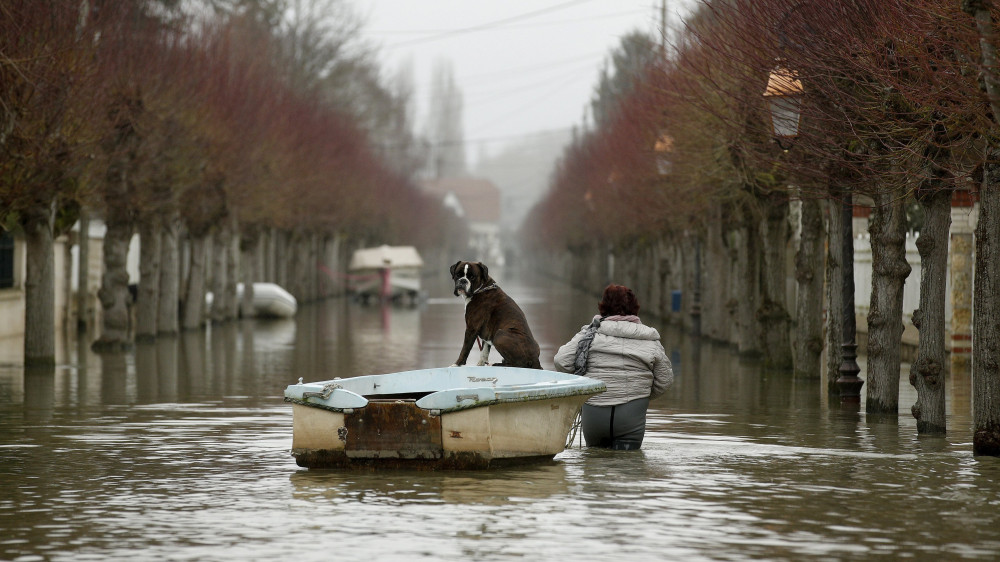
[{"x": 911, "y": 288}]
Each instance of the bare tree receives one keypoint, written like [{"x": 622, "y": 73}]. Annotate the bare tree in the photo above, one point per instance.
[
  {"x": 986, "y": 299},
  {"x": 46, "y": 73}
]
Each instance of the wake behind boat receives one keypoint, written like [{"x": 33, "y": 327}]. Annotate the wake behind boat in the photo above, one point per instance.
[{"x": 452, "y": 417}]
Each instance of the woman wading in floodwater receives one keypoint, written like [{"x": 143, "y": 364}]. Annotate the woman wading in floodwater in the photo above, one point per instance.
[{"x": 618, "y": 349}]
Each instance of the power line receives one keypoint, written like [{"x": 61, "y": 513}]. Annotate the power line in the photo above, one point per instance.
[
  {"x": 539, "y": 66},
  {"x": 488, "y": 25},
  {"x": 477, "y": 98},
  {"x": 521, "y": 108},
  {"x": 576, "y": 64},
  {"x": 536, "y": 24},
  {"x": 501, "y": 138}
]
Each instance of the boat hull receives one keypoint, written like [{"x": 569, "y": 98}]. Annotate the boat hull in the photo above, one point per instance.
[
  {"x": 269, "y": 301},
  {"x": 455, "y": 417},
  {"x": 482, "y": 437}
]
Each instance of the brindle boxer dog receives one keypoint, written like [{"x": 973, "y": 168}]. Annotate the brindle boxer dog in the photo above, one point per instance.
[{"x": 493, "y": 317}]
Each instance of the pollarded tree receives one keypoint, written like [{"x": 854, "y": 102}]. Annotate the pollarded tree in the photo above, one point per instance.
[
  {"x": 986, "y": 299},
  {"x": 858, "y": 64},
  {"x": 46, "y": 91},
  {"x": 892, "y": 71},
  {"x": 723, "y": 78},
  {"x": 121, "y": 150}
]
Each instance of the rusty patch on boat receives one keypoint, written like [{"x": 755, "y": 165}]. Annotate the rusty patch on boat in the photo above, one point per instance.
[{"x": 392, "y": 429}]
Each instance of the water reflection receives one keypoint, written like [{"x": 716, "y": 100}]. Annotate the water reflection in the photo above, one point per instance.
[
  {"x": 500, "y": 487},
  {"x": 39, "y": 394},
  {"x": 180, "y": 449}
]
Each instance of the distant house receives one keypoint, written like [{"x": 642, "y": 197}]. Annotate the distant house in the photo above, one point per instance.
[{"x": 476, "y": 200}]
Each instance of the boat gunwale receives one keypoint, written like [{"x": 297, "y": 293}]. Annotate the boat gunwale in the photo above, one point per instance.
[
  {"x": 565, "y": 386},
  {"x": 459, "y": 406}
]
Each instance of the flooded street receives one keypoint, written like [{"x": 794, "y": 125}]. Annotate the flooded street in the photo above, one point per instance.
[{"x": 180, "y": 450}]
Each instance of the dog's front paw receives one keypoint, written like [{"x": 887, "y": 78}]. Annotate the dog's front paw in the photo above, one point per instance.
[{"x": 455, "y": 365}]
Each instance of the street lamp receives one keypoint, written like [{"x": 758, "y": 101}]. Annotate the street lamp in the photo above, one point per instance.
[
  {"x": 848, "y": 381},
  {"x": 784, "y": 94},
  {"x": 662, "y": 148}
]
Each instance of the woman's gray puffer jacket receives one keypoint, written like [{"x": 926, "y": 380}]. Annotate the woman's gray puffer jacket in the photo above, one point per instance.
[{"x": 627, "y": 356}]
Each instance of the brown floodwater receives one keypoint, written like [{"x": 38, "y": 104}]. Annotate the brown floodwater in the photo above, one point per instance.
[{"x": 179, "y": 450}]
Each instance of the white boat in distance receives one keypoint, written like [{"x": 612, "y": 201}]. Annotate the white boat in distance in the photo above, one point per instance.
[
  {"x": 451, "y": 417},
  {"x": 388, "y": 272},
  {"x": 269, "y": 301}
]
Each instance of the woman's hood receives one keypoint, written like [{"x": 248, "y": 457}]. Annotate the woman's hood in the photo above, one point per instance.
[{"x": 628, "y": 330}]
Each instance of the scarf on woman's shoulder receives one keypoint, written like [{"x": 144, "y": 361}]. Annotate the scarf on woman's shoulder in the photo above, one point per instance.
[{"x": 583, "y": 347}]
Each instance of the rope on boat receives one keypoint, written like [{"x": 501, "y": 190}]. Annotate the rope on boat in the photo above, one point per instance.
[
  {"x": 324, "y": 394},
  {"x": 573, "y": 431}
]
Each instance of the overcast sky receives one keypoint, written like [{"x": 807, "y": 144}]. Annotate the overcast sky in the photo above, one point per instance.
[{"x": 523, "y": 66}]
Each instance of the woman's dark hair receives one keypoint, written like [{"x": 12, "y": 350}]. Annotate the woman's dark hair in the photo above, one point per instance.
[{"x": 618, "y": 300}]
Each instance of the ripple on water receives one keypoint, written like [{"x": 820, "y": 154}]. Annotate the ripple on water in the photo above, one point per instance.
[{"x": 736, "y": 465}]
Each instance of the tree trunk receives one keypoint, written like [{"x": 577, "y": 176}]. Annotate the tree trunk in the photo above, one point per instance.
[
  {"x": 927, "y": 373},
  {"x": 885, "y": 316},
  {"x": 39, "y": 289},
  {"x": 232, "y": 272},
  {"x": 267, "y": 256},
  {"x": 326, "y": 286},
  {"x": 986, "y": 308},
  {"x": 282, "y": 259},
  {"x": 249, "y": 245},
  {"x": 167, "y": 317},
  {"x": 194, "y": 293},
  {"x": 340, "y": 261},
  {"x": 148, "y": 302},
  {"x": 773, "y": 312},
  {"x": 114, "y": 294},
  {"x": 663, "y": 286},
  {"x": 293, "y": 266},
  {"x": 749, "y": 340},
  {"x": 309, "y": 262},
  {"x": 986, "y": 316},
  {"x": 809, "y": 297},
  {"x": 717, "y": 281},
  {"x": 686, "y": 244},
  {"x": 834, "y": 296},
  {"x": 83, "y": 272},
  {"x": 217, "y": 313}
]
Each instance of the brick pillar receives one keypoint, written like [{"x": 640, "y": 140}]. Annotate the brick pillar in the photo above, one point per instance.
[{"x": 963, "y": 213}]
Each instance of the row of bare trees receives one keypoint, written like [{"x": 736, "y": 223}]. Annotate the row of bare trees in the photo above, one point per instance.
[
  {"x": 209, "y": 130},
  {"x": 899, "y": 110}
]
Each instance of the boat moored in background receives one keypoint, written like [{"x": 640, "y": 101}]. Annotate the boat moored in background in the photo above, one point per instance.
[
  {"x": 270, "y": 300},
  {"x": 386, "y": 273}
]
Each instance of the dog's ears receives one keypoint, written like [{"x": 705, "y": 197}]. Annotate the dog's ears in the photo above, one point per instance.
[
  {"x": 454, "y": 268},
  {"x": 486, "y": 272}
]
